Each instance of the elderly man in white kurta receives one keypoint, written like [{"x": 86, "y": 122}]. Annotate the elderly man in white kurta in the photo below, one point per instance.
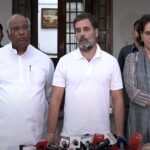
[{"x": 25, "y": 82}]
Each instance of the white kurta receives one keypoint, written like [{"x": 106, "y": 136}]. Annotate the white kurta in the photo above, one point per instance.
[
  {"x": 88, "y": 86},
  {"x": 25, "y": 83}
]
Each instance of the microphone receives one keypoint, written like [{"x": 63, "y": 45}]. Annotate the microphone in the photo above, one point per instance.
[
  {"x": 102, "y": 145},
  {"x": 135, "y": 142},
  {"x": 86, "y": 141},
  {"x": 42, "y": 145},
  {"x": 75, "y": 142},
  {"x": 64, "y": 142},
  {"x": 108, "y": 139},
  {"x": 97, "y": 138},
  {"x": 121, "y": 142},
  {"x": 111, "y": 137}
]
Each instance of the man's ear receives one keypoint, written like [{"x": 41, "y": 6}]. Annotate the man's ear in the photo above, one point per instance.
[
  {"x": 97, "y": 32},
  {"x": 2, "y": 34}
]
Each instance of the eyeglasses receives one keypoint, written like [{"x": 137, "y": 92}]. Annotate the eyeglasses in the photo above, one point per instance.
[
  {"x": 18, "y": 28},
  {"x": 147, "y": 33}
]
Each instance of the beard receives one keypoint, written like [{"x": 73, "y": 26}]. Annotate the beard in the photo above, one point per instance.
[{"x": 86, "y": 45}]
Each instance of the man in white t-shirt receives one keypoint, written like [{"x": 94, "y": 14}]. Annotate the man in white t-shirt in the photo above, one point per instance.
[{"x": 87, "y": 76}]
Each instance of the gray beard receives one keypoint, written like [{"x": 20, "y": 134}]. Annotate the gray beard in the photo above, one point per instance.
[{"x": 86, "y": 45}]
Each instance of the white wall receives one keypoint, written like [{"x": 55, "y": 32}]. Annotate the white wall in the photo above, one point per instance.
[
  {"x": 5, "y": 13},
  {"x": 125, "y": 12},
  {"x": 47, "y": 38}
]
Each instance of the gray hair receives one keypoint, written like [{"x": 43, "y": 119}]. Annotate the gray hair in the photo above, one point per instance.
[{"x": 12, "y": 18}]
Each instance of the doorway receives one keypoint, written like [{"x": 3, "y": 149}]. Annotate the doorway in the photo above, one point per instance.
[{"x": 67, "y": 10}]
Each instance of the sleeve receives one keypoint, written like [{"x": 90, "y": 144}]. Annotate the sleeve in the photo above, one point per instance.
[
  {"x": 136, "y": 95},
  {"x": 59, "y": 74},
  {"x": 48, "y": 80},
  {"x": 116, "y": 79}
]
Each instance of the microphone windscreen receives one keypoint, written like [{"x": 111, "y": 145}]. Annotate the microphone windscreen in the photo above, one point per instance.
[
  {"x": 121, "y": 142},
  {"x": 102, "y": 145}
]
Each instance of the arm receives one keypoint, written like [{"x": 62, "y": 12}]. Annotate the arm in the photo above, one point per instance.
[
  {"x": 117, "y": 100},
  {"x": 48, "y": 79},
  {"x": 136, "y": 95},
  {"x": 55, "y": 102}
]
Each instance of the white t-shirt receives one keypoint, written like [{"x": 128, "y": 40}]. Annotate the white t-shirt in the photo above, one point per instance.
[
  {"x": 25, "y": 83},
  {"x": 88, "y": 86}
]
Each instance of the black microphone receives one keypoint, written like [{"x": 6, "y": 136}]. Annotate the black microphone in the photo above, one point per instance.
[
  {"x": 75, "y": 142},
  {"x": 121, "y": 142},
  {"x": 86, "y": 141},
  {"x": 102, "y": 145},
  {"x": 64, "y": 142}
]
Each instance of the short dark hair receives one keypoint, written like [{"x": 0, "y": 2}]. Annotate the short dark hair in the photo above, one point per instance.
[
  {"x": 89, "y": 16},
  {"x": 1, "y": 27}
]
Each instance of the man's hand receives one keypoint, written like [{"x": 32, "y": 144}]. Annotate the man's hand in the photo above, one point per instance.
[
  {"x": 51, "y": 139},
  {"x": 149, "y": 103}
]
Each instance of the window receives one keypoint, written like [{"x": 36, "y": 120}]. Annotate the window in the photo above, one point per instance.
[{"x": 73, "y": 8}]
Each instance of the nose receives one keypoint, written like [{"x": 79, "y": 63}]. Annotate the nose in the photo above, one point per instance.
[
  {"x": 21, "y": 31},
  {"x": 82, "y": 33}
]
